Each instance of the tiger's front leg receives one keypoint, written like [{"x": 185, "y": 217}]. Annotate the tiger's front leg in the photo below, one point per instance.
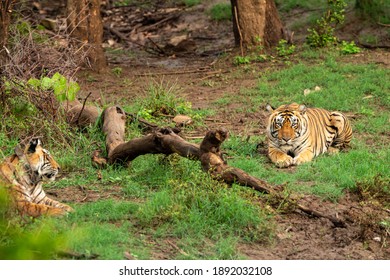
[
  {"x": 54, "y": 203},
  {"x": 35, "y": 210},
  {"x": 280, "y": 158},
  {"x": 305, "y": 156}
]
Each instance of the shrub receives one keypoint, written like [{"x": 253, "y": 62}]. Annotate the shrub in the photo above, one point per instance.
[{"x": 322, "y": 34}]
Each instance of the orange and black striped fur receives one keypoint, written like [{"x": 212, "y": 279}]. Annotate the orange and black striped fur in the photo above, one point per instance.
[
  {"x": 23, "y": 173},
  {"x": 296, "y": 133}
]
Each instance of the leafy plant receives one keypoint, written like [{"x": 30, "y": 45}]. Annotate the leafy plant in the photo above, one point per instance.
[
  {"x": 322, "y": 34},
  {"x": 238, "y": 60},
  {"x": 63, "y": 89},
  {"x": 117, "y": 71},
  {"x": 284, "y": 49},
  {"x": 162, "y": 100},
  {"x": 349, "y": 48}
]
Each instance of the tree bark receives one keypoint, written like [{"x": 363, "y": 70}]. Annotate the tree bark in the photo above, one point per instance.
[
  {"x": 256, "y": 23},
  {"x": 114, "y": 122},
  {"x": 80, "y": 115},
  {"x": 84, "y": 23}
]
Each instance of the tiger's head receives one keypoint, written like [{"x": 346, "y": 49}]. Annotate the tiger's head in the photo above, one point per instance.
[
  {"x": 286, "y": 123},
  {"x": 38, "y": 161}
]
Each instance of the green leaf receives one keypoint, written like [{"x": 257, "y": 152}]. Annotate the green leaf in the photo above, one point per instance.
[
  {"x": 56, "y": 77},
  {"x": 72, "y": 90},
  {"x": 60, "y": 91},
  {"x": 34, "y": 83},
  {"x": 46, "y": 83}
]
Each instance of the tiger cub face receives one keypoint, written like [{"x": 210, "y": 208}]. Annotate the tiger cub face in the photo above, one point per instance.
[
  {"x": 40, "y": 162},
  {"x": 286, "y": 123}
]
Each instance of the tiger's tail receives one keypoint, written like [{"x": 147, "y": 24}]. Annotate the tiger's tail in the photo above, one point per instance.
[{"x": 344, "y": 130}]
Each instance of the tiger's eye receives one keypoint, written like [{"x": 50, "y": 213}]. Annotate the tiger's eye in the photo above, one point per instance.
[{"x": 294, "y": 120}]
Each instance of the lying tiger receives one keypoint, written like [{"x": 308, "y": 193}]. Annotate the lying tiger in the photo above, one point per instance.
[
  {"x": 23, "y": 173},
  {"x": 296, "y": 134}
]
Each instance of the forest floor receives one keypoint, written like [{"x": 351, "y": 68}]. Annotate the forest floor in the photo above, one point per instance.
[{"x": 196, "y": 54}]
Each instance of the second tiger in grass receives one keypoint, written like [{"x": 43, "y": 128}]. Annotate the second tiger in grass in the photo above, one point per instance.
[{"x": 296, "y": 134}]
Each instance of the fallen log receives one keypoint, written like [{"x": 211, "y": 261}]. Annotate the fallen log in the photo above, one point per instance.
[
  {"x": 159, "y": 141},
  {"x": 212, "y": 161},
  {"x": 79, "y": 114},
  {"x": 114, "y": 122}
]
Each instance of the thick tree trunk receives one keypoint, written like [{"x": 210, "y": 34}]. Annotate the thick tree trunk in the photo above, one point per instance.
[
  {"x": 85, "y": 24},
  {"x": 256, "y": 23}
]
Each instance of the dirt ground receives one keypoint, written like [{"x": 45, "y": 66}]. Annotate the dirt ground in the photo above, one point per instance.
[{"x": 186, "y": 50}]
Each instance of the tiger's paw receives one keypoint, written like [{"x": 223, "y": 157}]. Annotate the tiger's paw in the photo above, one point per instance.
[
  {"x": 333, "y": 151},
  {"x": 286, "y": 162},
  {"x": 67, "y": 208},
  {"x": 302, "y": 159},
  {"x": 56, "y": 212}
]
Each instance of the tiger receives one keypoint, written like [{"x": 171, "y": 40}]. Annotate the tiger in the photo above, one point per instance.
[
  {"x": 23, "y": 173},
  {"x": 296, "y": 134}
]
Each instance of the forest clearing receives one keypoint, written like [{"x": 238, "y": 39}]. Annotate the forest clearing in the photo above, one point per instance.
[{"x": 180, "y": 73}]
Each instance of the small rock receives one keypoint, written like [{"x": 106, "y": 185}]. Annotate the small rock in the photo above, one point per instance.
[
  {"x": 306, "y": 92},
  {"x": 182, "y": 120},
  {"x": 377, "y": 239}
]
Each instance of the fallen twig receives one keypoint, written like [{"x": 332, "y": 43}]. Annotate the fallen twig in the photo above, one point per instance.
[
  {"x": 177, "y": 248},
  {"x": 179, "y": 72}
]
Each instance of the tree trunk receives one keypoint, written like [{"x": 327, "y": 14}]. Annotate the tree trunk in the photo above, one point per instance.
[
  {"x": 256, "y": 23},
  {"x": 85, "y": 24},
  {"x": 5, "y": 19}
]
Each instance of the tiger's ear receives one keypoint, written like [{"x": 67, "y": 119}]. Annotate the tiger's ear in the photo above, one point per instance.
[
  {"x": 302, "y": 109},
  {"x": 32, "y": 146},
  {"x": 269, "y": 108}
]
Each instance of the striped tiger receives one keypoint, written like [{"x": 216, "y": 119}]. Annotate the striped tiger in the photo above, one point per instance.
[
  {"x": 23, "y": 173},
  {"x": 296, "y": 134}
]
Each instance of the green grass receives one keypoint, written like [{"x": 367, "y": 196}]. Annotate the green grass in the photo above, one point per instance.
[
  {"x": 288, "y": 5},
  {"x": 158, "y": 200},
  {"x": 191, "y": 3},
  {"x": 345, "y": 88},
  {"x": 375, "y": 10},
  {"x": 221, "y": 11}
]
